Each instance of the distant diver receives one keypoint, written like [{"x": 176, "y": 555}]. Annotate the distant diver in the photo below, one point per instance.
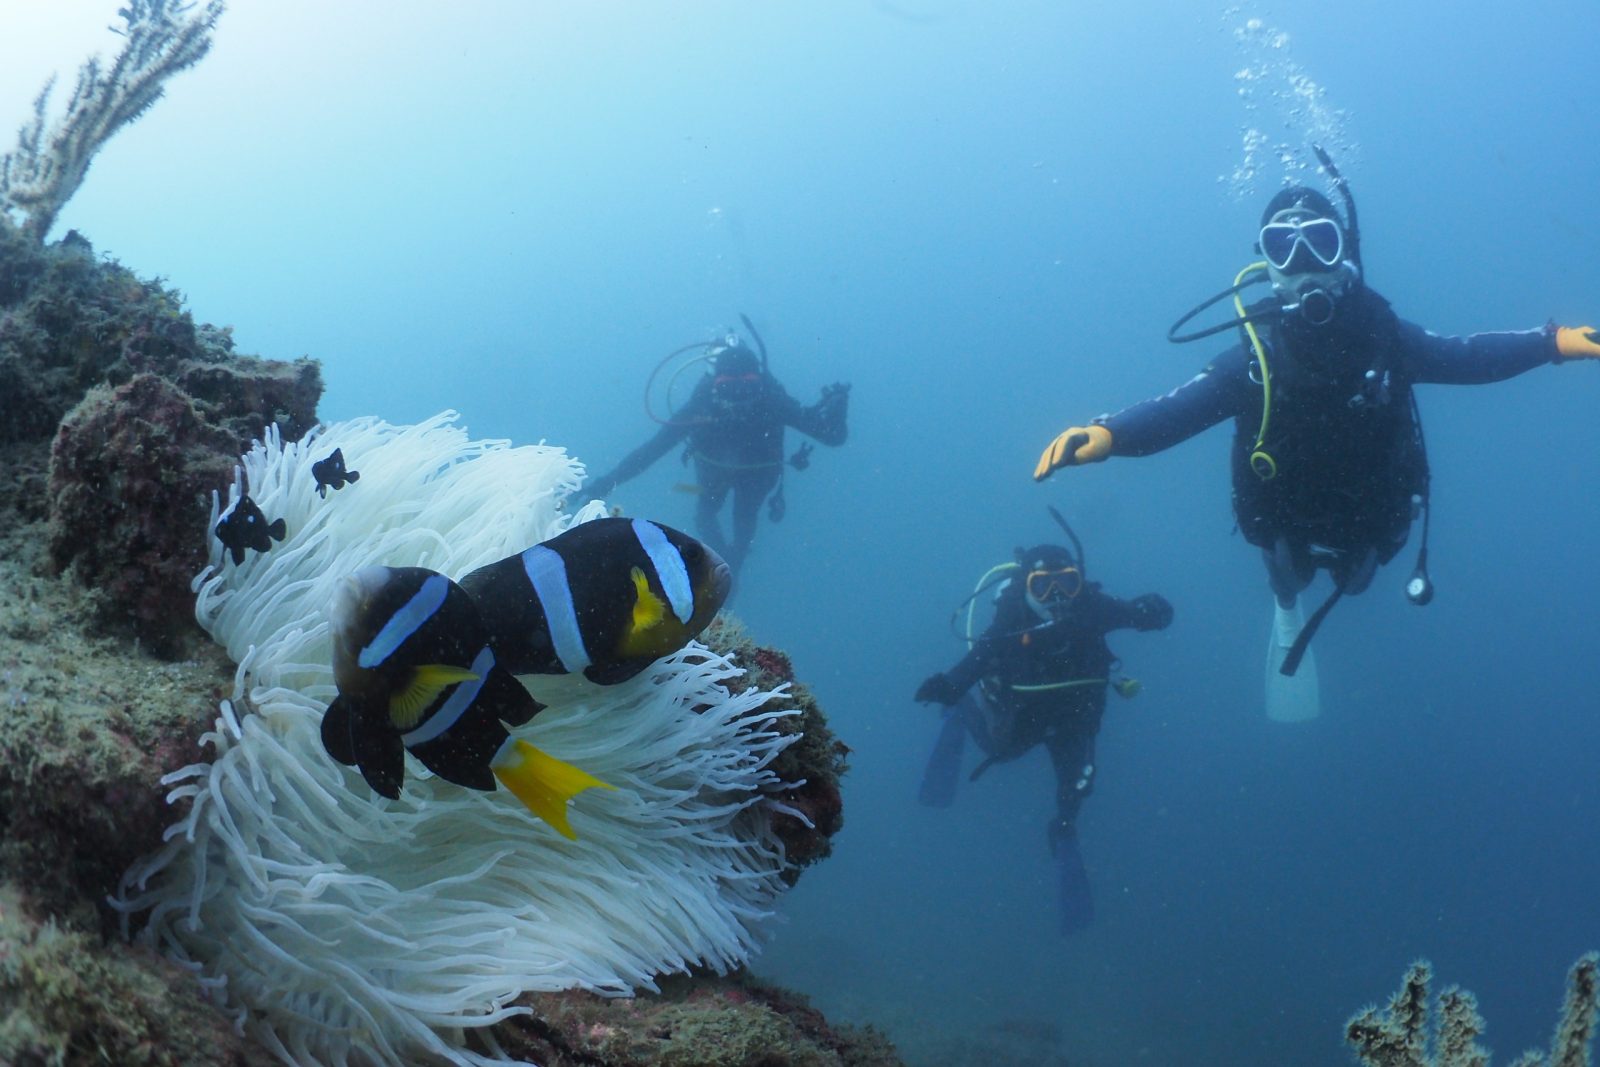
[
  {"x": 331, "y": 474},
  {"x": 244, "y": 526},
  {"x": 1329, "y": 467},
  {"x": 733, "y": 425},
  {"x": 1040, "y": 672}
]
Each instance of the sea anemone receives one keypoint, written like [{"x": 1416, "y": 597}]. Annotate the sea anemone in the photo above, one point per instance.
[{"x": 341, "y": 927}]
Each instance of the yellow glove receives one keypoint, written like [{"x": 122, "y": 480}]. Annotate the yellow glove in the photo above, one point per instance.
[
  {"x": 1578, "y": 342},
  {"x": 1073, "y": 447}
]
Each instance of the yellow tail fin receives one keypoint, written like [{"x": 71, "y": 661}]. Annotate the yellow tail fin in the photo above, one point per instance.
[{"x": 543, "y": 783}]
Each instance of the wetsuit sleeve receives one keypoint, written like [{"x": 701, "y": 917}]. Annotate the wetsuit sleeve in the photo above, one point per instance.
[
  {"x": 639, "y": 460},
  {"x": 1151, "y": 611},
  {"x": 824, "y": 421},
  {"x": 974, "y": 665},
  {"x": 1475, "y": 359},
  {"x": 1218, "y": 392}
]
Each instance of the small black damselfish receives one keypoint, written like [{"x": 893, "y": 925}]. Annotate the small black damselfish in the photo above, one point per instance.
[
  {"x": 330, "y": 473},
  {"x": 246, "y": 526}
]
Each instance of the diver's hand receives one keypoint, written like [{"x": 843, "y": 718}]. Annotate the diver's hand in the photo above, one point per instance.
[
  {"x": 1578, "y": 342},
  {"x": 836, "y": 395},
  {"x": 938, "y": 689},
  {"x": 1151, "y": 612},
  {"x": 1074, "y": 446}
]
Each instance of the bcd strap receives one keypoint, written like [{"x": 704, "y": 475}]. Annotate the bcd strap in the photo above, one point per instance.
[{"x": 1297, "y": 651}]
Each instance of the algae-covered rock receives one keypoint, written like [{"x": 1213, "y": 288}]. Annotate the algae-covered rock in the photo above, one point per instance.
[
  {"x": 148, "y": 411},
  {"x": 68, "y": 998},
  {"x": 704, "y": 1021},
  {"x": 813, "y": 811}
]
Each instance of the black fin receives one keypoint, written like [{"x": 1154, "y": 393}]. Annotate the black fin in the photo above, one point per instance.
[
  {"x": 278, "y": 529},
  {"x": 382, "y": 759},
  {"x": 462, "y": 753},
  {"x": 352, "y": 476},
  {"x": 505, "y": 698},
  {"x": 612, "y": 673},
  {"x": 336, "y": 731}
]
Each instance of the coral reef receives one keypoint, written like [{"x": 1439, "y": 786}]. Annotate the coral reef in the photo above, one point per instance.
[
  {"x": 812, "y": 808},
  {"x": 706, "y": 1021},
  {"x": 1398, "y": 1036},
  {"x": 148, "y": 411},
  {"x": 131, "y": 470},
  {"x": 89, "y": 728},
  {"x": 39, "y": 176},
  {"x": 64, "y": 999},
  {"x": 86, "y": 731}
]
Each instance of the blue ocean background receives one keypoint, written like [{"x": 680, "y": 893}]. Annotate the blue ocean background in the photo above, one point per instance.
[{"x": 984, "y": 216}]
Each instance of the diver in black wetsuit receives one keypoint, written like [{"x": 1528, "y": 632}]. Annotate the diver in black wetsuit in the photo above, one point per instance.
[
  {"x": 1329, "y": 468},
  {"x": 734, "y": 425},
  {"x": 1041, "y": 671}
]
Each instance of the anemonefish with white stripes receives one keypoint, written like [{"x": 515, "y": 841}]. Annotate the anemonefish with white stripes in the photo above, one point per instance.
[
  {"x": 607, "y": 597},
  {"x": 417, "y": 672}
]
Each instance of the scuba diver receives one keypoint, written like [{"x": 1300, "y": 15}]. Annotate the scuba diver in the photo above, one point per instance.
[
  {"x": 1038, "y": 675},
  {"x": 1329, "y": 467},
  {"x": 733, "y": 424}
]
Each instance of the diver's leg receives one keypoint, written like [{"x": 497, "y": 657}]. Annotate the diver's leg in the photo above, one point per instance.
[
  {"x": 713, "y": 491},
  {"x": 1356, "y": 572},
  {"x": 942, "y": 774},
  {"x": 750, "y": 488},
  {"x": 1295, "y": 698},
  {"x": 1289, "y": 570},
  {"x": 1072, "y": 756}
]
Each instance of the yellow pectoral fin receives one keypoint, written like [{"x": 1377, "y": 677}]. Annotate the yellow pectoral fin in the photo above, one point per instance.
[
  {"x": 647, "y": 607},
  {"x": 543, "y": 783},
  {"x": 427, "y": 682}
]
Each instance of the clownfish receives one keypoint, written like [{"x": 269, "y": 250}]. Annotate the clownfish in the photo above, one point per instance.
[
  {"x": 606, "y": 598},
  {"x": 416, "y": 672}
]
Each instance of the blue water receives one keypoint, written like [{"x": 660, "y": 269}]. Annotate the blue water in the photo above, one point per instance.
[{"x": 984, "y": 216}]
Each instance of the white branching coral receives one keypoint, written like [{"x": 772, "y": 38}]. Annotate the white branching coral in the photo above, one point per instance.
[
  {"x": 345, "y": 928},
  {"x": 163, "y": 37}
]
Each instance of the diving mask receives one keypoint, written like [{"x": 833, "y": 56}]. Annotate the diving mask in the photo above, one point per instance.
[
  {"x": 1322, "y": 238},
  {"x": 1306, "y": 263},
  {"x": 1055, "y": 585}
]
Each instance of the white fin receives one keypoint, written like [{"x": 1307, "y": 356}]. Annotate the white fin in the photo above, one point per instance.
[{"x": 1295, "y": 698}]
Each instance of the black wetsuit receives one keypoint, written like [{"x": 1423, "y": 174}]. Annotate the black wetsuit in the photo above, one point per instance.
[
  {"x": 1018, "y": 652},
  {"x": 737, "y": 447},
  {"x": 1343, "y": 435}
]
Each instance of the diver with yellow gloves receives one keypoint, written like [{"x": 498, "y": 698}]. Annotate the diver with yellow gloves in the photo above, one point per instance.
[
  {"x": 1038, "y": 675},
  {"x": 733, "y": 425},
  {"x": 1329, "y": 464}
]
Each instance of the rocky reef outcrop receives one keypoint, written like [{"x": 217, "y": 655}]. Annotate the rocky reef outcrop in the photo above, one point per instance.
[{"x": 145, "y": 411}]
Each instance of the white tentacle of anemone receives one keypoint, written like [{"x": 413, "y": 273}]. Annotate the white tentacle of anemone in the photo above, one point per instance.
[{"x": 341, "y": 927}]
